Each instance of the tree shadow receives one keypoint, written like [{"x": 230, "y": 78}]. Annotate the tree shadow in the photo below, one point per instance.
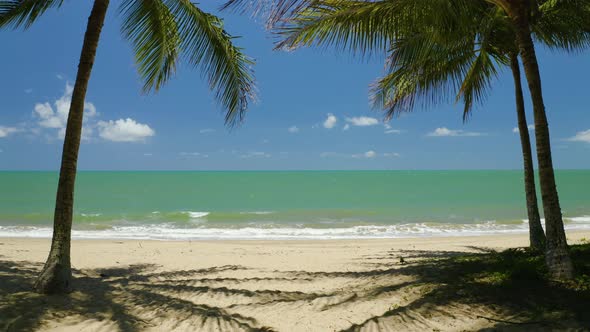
[
  {"x": 104, "y": 295},
  {"x": 507, "y": 290}
]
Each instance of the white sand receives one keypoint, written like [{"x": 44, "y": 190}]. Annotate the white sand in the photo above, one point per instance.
[{"x": 240, "y": 285}]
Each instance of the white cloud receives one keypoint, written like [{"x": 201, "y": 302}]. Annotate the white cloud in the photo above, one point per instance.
[
  {"x": 5, "y": 131},
  {"x": 445, "y": 132},
  {"x": 256, "y": 154},
  {"x": 59, "y": 76},
  {"x": 293, "y": 129},
  {"x": 362, "y": 121},
  {"x": 369, "y": 154},
  {"x": 365, "y": 155},
  {"x": 346, "y": 127},
  {"x": 330, "y": 121},
  {"x": 47, "y": 116},
  {"x": 581, "y": 136},
  {"x": 28, "y": 91},
  {"x": 516, "y": 131},
  {"x": 124, "y": 130},
  {"x": 56, "y": 116},
  {"x": 389, "y": 129},
  {"x": 206, "y": 131}
]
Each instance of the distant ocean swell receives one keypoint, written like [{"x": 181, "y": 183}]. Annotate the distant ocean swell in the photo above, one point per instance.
[
  {"x": 276, "y": 231},
  {"x": 283, "y": 205}
]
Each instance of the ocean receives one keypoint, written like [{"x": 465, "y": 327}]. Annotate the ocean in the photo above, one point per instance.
[{"x": 284, "y": 205}]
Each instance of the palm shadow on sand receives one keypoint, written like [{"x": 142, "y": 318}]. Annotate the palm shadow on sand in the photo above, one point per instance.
[
  {"x": 110, "y": 295},
  {"x": 501, "y": 290}
]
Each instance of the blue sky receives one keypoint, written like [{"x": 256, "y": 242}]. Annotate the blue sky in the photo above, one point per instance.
[{"x": 313, "y": 110}]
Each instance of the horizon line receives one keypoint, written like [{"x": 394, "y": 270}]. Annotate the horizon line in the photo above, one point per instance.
[{"x": 289, "y": 170}]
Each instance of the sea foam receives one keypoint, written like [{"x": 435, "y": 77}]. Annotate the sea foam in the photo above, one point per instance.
[
  {"x": 196, "y": 214},
  {"x": 170, "y": 232}
]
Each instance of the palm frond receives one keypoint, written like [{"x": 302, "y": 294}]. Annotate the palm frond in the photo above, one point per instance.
[
  {"x": 352, "y": 25},
  {"x": 23, "y": 13},
  {"x": 206, "y": 44},
  {"x": 563, "y": 24},
  {"x": 421, "y": 70},
  {"x": 427, "y": 69},
  {"x": 477, "y": 81},
  {"x": 271, "y": 10},
  {"x": 372, "y": 26},
  {"x": 151, "y": 28}
]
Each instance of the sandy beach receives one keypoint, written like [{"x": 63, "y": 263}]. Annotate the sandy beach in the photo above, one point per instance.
[{"x": 340, "y": 285}]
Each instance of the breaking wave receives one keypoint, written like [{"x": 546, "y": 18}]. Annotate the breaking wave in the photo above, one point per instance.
[{"x": 170, "y": 231}]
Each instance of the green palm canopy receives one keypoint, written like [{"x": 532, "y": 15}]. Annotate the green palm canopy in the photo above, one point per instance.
[{"x": 163, "y": 32}]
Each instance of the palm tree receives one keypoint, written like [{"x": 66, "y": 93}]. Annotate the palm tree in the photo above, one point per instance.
[
  {"x": 368, "y": 26},
  {"x": 468, "y": 67},
  {"x": 492, "y": 42},
  {"x": 523, "y": 14},
  {"x": 160, "y": 31},
  {"x": 421, "y": 67}
]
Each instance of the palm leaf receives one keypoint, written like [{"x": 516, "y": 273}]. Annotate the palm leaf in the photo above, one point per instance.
[
  {"x": 477, "y": 81},
  {"x": 23, "y": 13},
  {"x": 420, "y": 70},
  {"x": 367, "y": 26},
  {"x": 271, "y": 10},
  {"x": 563, "y": 24},
  {"x": 151, "y": 28},
  {"x": 205, "y": 44},
  {"x": 163, "y": 30},
  {"x": 351, "y": 25}
]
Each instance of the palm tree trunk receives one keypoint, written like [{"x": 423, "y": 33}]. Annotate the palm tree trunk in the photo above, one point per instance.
[
  {"x": 557, "y": 255},
  {"x": 536, "y": 234},
  {"x": 56, "y": 275}
]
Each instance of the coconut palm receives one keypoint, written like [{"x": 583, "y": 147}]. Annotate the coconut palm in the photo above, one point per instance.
[
  {"x": 369, "y": 26},
  {"x": 161, "y": 31},
  {"x": 523, "y": 14},
  {"x": 468, "y": 68},
  {"x": 465, "y": 70},
  {"x": 418, "y": 66}
]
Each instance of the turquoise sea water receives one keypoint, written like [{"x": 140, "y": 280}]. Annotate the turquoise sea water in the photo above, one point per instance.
[{"x": 277, "y": 205}]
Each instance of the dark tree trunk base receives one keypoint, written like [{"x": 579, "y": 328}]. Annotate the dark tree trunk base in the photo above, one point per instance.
[
  {"x": 55, "y": 278},
  {"x": 537, "y": 238},
  {"x": 559, "y": 263}
]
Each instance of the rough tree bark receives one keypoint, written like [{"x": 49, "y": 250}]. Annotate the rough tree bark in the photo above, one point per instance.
[
  {"x": 536, "y": 233},
  {"x": 557, "y": 255},
  {"x": 56, "y": 276}
]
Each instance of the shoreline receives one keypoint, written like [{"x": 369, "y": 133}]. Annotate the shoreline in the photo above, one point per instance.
[
  {"x": 298, "y": 239},
  {"x": 98, "y": 253},
  {"x": 163, "y": 232}
]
